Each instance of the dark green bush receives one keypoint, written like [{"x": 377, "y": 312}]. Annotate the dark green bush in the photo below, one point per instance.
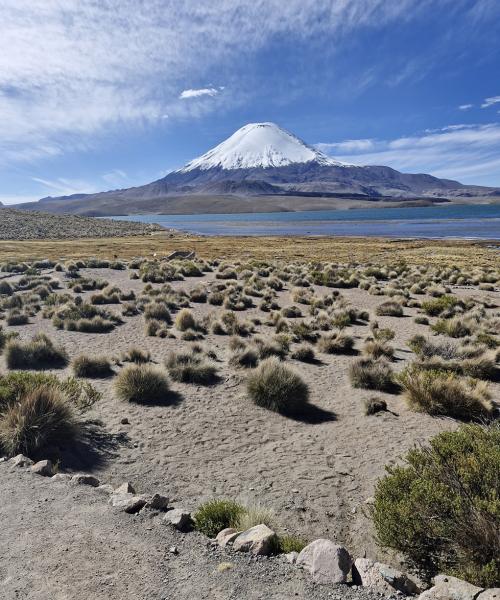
[
  {"x": 216, "y": 515},
  {"x": 442, "y": 507}
]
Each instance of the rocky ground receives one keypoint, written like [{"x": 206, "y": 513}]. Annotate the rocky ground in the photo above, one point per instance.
[{"x": 35, "y": 225}]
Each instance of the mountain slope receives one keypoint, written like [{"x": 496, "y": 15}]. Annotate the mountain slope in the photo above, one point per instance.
[{"x": 263, "y": 160}]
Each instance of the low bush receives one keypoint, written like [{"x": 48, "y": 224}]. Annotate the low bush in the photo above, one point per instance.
[
  {"x": 91, "y": 366},
  {"x": 276, "y": 387},
  {"x": 142, "y": 384},
  {"x": 187, "y": 367},
  {"x": 377, "y": 349},
  {"x": 444, "y": 393},
  {"x": 441, "y": 509},
  {"x": 185, "y": 320},
  {"x": 244, "y": 357},
  {"x": 39, "y": 353},
  {"x": 214, "y": 516},
  {"x": 389, "y": 309},
  {"x": 304, "y": 353},
  {"x": 157, "y": 311},
  {"x": 437, "y": 306},
  {"x": 15, "y": 317},
  {"x": 289, "y": 543},
  {"x": 371, "y": 374},
  {"x": 39, "y": 417},
  {"x": 136, "y": 355}
]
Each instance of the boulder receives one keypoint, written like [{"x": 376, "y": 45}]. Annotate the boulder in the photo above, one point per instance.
[
  {"x": 226, "y": 536},
  {"x": 128, "y": 503},
  {"x": 326, "y": 561},
  {"x": 157, "y": 502},
  {"x": 20, "y": 461},
  {"x": 83, "y": 479},
  {"x": 61, "y": 477},
  {"x": 258, "y": 540},
  {"x": 178, "y": 518},
  {"x": 368, "y": 573},
  {"x": 125, "y": 488},
  {"x": 451, "y": 588},
  {"x": 44, "y": 468},
  {"x": 490, "y": 594}
]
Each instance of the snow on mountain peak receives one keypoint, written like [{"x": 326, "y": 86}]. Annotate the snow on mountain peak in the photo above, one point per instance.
[{"x": 261, "y": 145}]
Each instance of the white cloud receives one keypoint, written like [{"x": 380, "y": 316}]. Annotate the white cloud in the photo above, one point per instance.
[
  {"x": 65, "y": 187},
  {"x": 198, "y": 93},
  {"x": 348, "y": 146},
  {"x": 74, "y": 71},
  {"x": 490, "y": 101},
  {"x": 468, "y": 153},
  {"x": 116, "y": 178},
  {"x": 465, "y": 106}
]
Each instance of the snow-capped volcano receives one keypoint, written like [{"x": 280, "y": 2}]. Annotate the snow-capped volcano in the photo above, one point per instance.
[{"x": 259, "y": 145}]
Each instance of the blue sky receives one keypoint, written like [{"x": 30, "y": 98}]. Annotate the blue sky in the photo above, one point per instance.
[{"x": 115, "y": 93}]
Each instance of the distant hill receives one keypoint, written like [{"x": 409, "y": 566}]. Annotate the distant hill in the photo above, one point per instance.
[{"x": 262, "y": 162}]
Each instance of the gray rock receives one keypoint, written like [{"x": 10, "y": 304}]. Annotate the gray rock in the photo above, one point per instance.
[
  {"x": 128, "y": 502},
  {"x": 44, "y": 468},
  {"x": 83, "y": 479},
  {"x": 258, "y": 540},
  {"x": 326, "y": 561},
  {"x": 21, "y": 461},
  {"x": 368, "y": 573},
  {"x": 450, "y": 588},
  {"x": 61, "y": 477},
  {"x": 157, "y": 502},
  {"x": 125, "y": 488},
  {"x": 178, "y": 518},
  {"x": 105, "y": 488},
  {"x": 226, "y": 536},
  {"x": 291, "y": 557},
  {"x": 490, "y": 594}
]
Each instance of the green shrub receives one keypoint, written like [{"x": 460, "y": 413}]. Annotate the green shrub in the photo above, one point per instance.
[
  {"x": 444, "y": 393},
  {"x": 216, "y": 515},
  {"x": 275, "y": 386},
  {"x": 456, "y": 327},
  {"x": 437, "y": 306},
  {"x": 39, "y": 353},
  {"x": 442, "y": 507},
  {"x": 91, "y": 366},
  {"x": 371, "y": 374},
  {"x": 142, "y": 384},
  {"x": 37, "y": 418},
  {"x": 187, "y": 367},
  {"x": 289, "y": 543}
]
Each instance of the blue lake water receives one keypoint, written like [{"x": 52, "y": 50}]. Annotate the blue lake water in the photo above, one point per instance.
[{"x": 480, "y": 222}]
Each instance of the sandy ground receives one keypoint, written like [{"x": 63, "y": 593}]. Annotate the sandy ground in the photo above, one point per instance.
[{"x": 316, "y": 475}]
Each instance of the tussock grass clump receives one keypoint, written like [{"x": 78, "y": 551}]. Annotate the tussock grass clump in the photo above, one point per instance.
[
  {"x": 142, "y": 384},
  {"x": 188, "y": 367},
  {"x": 456, "y": 327},
  {"x": 276, "y": 387},
  {"x": 136, "y": 355},
  {"x": 158, "y": 311},
  {"x": 91, "y": 366},
  {"x": 335, "y": 343},
  {"x": 246, "y": 357},
  {"x": 444, "y": 393},
  {"x": 16, "y": 317},
  {"x": 389, "y": 309},
  {"x": 304, "y": 353},
  {"x": 437, "y": 306},
  {"x": 39, "y": 353},
  {"x": 216, "y": 515},
  {"x": 255, "y": 515},
  {"x": 40, "y": 417},
  {"x": 377, "y": 349},
  {"x": 185, "y": 320},
  {"x": 290, "y": 543},
  {"x": 456, "y": 481},
  {"x": 371, "y": 374}
]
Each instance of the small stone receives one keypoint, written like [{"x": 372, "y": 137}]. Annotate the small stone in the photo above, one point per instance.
[
  {"x": 173, "y": 550},
  {"x": 258, "y": 540},
  {"x": 125, "y": 488},
  {"x": 157, "y": 502},
  {"x": 178, "y": 518},
  {"x": 291, "y": 557},
  {"x": 128, "y": 502},
  {"x": 326, "y": 561},
  {"x": 83, "y": 479},
  {"x": 226, "y": 536},
  {"x": 44, "y": 468},
  {"x": 21, "y": 461},
  {"x": 125, "y": 421},
  {"x": 450, "y": 588},
  {"x": 61, "y": 477}
]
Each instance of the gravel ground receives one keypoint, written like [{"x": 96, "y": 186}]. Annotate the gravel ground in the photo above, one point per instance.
[
  {"x": 34, "y": 225},
  {"x": 98, "y": 553}
]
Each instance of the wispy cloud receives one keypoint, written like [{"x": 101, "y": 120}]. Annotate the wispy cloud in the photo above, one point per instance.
[
  {"x": 468, "y": 153},
  {"x": 465, "y": 106},
  {"x": 490, "y": 101},
  {"x": 65, "y": 187},
  {"x": 73, "y": 72},
  {"x": 198, "y": 93}
]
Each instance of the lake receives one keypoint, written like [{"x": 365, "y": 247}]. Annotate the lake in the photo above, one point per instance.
[{"x": 467, "y": 222}]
